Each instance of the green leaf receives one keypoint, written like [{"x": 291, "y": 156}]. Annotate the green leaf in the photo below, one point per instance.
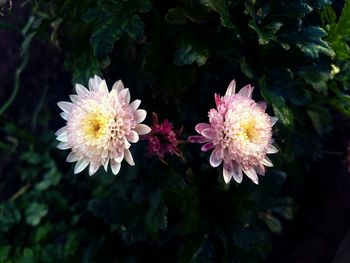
[
  {"x": 281, "y": 110},
  {"x": 273, "y": 223},
  {"x": 51, "y": 178},
  {"x": 177, "y": 16},
  {"x": 266, "y": 33},
  {"x": 188, "y": 52},
  {"x": 4, "y": 253},
  {"x": 134, "y": 27},
  {"x": 317, "y": 78},
  {"x": 342, "y": 103},
  {"x": 221, "y": 7},
  {"x": 9, "y": 216},
  {"x": 309, "y": 40},
  {"x": 26, "y": 257},
  {"x": 156, "y": 217},
  {"x": 321, "y": 119},
  {"x": 35, "y": 212}
]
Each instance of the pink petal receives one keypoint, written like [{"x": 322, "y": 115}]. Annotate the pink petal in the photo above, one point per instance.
[
  {"x": 115, "y": 167},
  {"x": 216, "y": 157},
  {"x": 140, "y": 115},
  {"x": 94, "y": 83},
  {"x": 231, "y": 88},
  {"x": 273, "y": 120},
  {"x": 64, "y": 115},
  {"x": 197, "y": 139},
  {"x": 208, "y": 146},
  {"x": 260, "y": 169},
  {"x": 246, "y": 91},
  {"x": 119, "y": 158},
  {"x": 74, "y": 98},
  {"x": 201, "y": 126},
  {"x": 142, "y": 129},
  {"x": 102, "y": 87},
  {"x": 93, "y": 169},
  {"x": 135, "y": 104},
  {"x": 209, "y": 133},
  {"x": 118, "y": 86},
  {"x": 267, "y": 162},
  {"x": 237, "y": 173},
  {"x": 105, "y": 165},
  {"x": 124, "y": 95},
  {"x": 227, "y": 172},
  {"x": 80, "y": 165},
  {"x": 262, "y": 105}
]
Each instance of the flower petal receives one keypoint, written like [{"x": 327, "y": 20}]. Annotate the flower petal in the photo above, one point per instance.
[
  {"x": 119, "y": 158},
  {"x": 271, "y": 149},
  {"x": 142, "y": 129},
  {"x": 63, "y": 146},
  {"x": 246, "y": 91},
  {"x": 216, "y": 157},
  {"x": 80, "y": 165},
  {"x": 115, "y": 167},
  {"x": 198, "y": 139},
  {"x": 231, "y": 88},
  {"x": 273, "y": 120},
  {"x": 102, "y": 87},
  {"x": 267, "y": 162},
  {"x": 201, "y": 126},
  {"x": 124, "y": 96},
  {"x": 93, "y": 169},
  {"x": 72, "y": 157},
  {"x": 140, "y": 115},
  {"x": 81, "y": 90},
  {"x": 64, "y": 115},
  {"x": 207, "y": 147},
  {"x": 262, "y": 105},
  {"x": 65, "y": 106},
  {"x": 128, "y": 157},
  {"x": 61, "y": 130},
  {"x": 74, "y": 98},
  {"x": 135, "y": 104},
  {"x": 94, "y": 83},
  {"x": 133, "y": 137},
  {"x": 62, "y": 137},
  {"x": 105, "y": 165},
  {"x": 118, "y": 86},
  {"x": 251, "y": 173},
  {"x": 209, "y": 133},
  {"x": 227, "y": 172},
  {"x": 237, "y": 173}
]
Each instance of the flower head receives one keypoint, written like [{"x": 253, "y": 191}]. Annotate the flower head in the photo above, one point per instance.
[
  {"x": 100, "y": 126},
  {"x": 163, "y": 139},
  {"x": 240, "y": 134}
]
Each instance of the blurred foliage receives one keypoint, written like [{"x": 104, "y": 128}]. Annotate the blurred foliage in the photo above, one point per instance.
[{"x": 173, "y": 55}]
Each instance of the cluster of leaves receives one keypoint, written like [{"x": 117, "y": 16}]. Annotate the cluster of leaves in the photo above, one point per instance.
[{"x": 294, "y": 52}]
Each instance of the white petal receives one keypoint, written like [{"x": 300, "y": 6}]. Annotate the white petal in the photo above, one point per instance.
[
  {"x": 102, "y": 87},
  {"x": 271, "y": 149},
  {"x": 216, "y": 157},
  {"x": 237, "y": 174},
  {"x": 80, "y": 165},
  {"x": 72, "y": 157},
  {"x": 115, "y": 166},
  {"x": 231, "y": 88},
  {"x": 133, "y": 137},
  {"x": 74, "y": 98},
  {"x": 105, "y": 165},
  {"x": 65, "y": 106},
  {"x": 267, "y": 162},
  {"x": 128, "y": 157},
  {"x": 61, "y": 130},
  {"x": 62, "y": 137},
  {"x": 273, "y": 120},
  {"x": 126, "y": 143},
  {"x": 64, "y": 115},
  {"x": 140, "y": 116},
  {"x": 227, "y": 175},
  {"x": 63, "y": 146},
  {"x": 119, "y": 158},
  {"x": 93, "y": 169},
  {"x": 118, "y": 86},
  {"x": 124, "y": 95},
  {"x": 142, "y": 129},
  {"x": 81, "y": 90},
  {"x": 246, "y": 91},
  {"x": 94, "y": 83},
  {"x": 250, "y": 172},
  {"x": 135, "y": 104}
]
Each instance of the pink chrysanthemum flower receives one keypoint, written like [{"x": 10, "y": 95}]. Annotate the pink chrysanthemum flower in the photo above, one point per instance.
[
  {"x": 163, "y": 139},
  {"x": 240, "y": 134},
  {"x": 100, "y": 126}
]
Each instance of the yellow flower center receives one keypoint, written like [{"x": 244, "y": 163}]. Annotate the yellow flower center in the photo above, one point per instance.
[
  {"x": 95, "y": 125},
  {"x": 249, "y": 131}
]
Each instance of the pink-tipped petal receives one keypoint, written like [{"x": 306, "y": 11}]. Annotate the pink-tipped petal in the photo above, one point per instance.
[
  {"x": 262, "y": 105},
  {"x": 237, "y": 173},
  {"x": 231, "y": 88},
  {"x": 246, "y": 91},
  {"x": 209, "y": 133},
  {"x": 227, "y": 175}
]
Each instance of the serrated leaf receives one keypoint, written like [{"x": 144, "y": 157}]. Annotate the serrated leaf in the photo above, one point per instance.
[
  {"x": 221, "y": 7},
  {"x": 309, "y": 40},
  {"x": 281, "y": 110},
  {"x": 35, "y": 212},
  {"x": 9, "y": 216},
  {"x": 188, "y": 53},
  {"x": 317, "y": 78}
]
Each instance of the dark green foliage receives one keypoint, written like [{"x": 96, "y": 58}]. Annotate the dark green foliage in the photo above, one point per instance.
[{"x": 174, "y": 55}]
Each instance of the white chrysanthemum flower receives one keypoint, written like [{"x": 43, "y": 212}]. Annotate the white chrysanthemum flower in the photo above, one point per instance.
[{"x": 100, "y": 126}]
